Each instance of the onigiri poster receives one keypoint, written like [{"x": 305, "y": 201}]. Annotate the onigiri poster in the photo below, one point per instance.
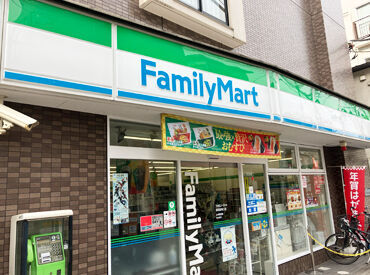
[
  {"x": 120, "y": 198},
  {"x": 186, "y": 135},
  {"x": 228, "y": 240}
]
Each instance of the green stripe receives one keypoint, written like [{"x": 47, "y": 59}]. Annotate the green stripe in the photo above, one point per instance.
[
  {"x": 315, "y": 208},
  {"x": 50, "y": 18},
  {"x": 228, "y": 221},
  {"x": 273, "y": 81},
  {"x": 347, "y": 107},
  {"x": 147, "y": 235},
  {"x": 291, "y": 86},
  {"x": 362, "y": 112},
  {"x": 288, "y": 212},
  {"x": 326, "y": 100},
  {"x": 257, "y": 217},
  {"x": 145, "y": 44}
]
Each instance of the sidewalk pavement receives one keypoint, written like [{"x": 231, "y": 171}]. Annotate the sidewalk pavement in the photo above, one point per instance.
[{"x": 360, "y": 267}]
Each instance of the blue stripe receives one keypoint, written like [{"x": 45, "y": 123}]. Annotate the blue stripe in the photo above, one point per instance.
[
  {"x": 226, "y": 224},
  {"x": 58, "y": 83},
  {"x": 300, "y": 123},
  {"x": 345, "y": 133},
  {"x": 277, "y": 118},
  {"x": 288, "y": 214},
  {"x": 189, "y": 104},
  {"x": 316, "y": 209},
  {"x": 155, "y": 238}
]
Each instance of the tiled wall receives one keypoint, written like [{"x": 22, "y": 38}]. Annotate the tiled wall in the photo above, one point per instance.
[
  {"x": 60, "y": 164},
  {"x": 295, "y": 35}
]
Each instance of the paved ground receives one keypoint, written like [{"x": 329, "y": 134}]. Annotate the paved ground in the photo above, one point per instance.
[{"x": 331, "y": 268}]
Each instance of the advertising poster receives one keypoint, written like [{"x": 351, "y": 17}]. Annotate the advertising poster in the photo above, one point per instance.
[
  {"x": 169, "y": 219},
  {"x": 182, "y": 134},
  {"x": 228, "y": 240},
  {"x": 354, "y": 189},
  {"x": 152, "y": 222},
  {"x": 293, "y": 197},
  {"x": 120, "y": 198}
]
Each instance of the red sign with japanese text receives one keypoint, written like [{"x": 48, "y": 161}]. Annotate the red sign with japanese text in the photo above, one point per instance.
[{"x": 354, "y": 189}]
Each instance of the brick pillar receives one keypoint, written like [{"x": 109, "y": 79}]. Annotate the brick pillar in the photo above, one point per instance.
[{"x": 60, "y": 164}]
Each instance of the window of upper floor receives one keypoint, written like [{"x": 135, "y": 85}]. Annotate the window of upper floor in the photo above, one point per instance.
[
  {"x": 220, "y": 20},
  {"x": 363, "y": 11},
  {"x": 214, "y": 8}
]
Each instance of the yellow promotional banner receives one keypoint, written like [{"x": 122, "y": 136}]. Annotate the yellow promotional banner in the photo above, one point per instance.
[{"x": 186, "y": 135}]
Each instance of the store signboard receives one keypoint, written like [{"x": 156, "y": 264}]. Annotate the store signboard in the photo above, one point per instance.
[
  {"x": 182, "y": 134},
  {"x": 159, "y": 81},
  {"x": 354, "y": 189}
]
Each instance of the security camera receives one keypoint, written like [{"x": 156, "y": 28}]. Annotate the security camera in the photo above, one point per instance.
[{"x": 17, "y": 118}]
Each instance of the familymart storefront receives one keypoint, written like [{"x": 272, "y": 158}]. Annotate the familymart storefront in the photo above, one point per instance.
[
  {"x": 212, "y": 212},
  {"x": 215, "y": 165}
]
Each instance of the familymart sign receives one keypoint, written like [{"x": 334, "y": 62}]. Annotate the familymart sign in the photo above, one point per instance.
[{"x": 157, "y": 81}]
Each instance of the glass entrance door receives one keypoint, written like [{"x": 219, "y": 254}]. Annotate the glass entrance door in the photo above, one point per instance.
[
  {"x": 212, "y": 218},
  {"x": 258, "y": 219}
]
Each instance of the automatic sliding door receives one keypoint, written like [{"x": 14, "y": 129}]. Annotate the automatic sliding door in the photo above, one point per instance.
[
  {"x": 212, "y": 217},
  {"x": 258, "y": 219}
]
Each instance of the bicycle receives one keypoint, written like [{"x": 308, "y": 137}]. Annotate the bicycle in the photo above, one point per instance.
[{"x": 350, "y": 240}]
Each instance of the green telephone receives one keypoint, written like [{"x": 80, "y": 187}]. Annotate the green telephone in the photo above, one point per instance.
[{"x": 45, "y": 254}]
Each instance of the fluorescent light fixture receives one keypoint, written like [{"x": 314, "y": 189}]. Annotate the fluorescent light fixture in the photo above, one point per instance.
[
  {"x": 273, "y": 160},
  {"x": 143, "y": 138},
  {"x": 165, "y": 174},
  {"x": 162, "y": 167}
]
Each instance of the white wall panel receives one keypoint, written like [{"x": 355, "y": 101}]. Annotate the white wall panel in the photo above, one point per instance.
[
  {"x": 328, "y": 117},
  {"x": 41, "y": 53},
  {"x": 297, "y": 108}
]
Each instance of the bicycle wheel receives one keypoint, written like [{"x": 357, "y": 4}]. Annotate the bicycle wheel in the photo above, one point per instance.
[{"x": 345, "y": 244}]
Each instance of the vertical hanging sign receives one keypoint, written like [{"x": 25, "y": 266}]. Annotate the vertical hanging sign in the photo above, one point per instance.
[{"x": 354, "y": 189}]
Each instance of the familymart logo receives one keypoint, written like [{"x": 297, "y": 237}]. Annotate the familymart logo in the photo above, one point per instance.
[
  {"x": 196, "y": 85},
  {"x": 193, "y": 223}
]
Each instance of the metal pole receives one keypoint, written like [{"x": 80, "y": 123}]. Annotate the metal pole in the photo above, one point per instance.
[
  {"x": 312, "y": 256},
  {"x": 70, "y": 239},
  {"x": 24, "y": 247}
]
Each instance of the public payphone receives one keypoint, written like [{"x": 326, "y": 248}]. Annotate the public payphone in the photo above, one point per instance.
[
  {"x": 46, "y": 254},
  {"x": 41, "y": 243}
]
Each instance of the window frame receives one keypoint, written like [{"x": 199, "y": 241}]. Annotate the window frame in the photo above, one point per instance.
[
  {"x": 299, "y": 172},
  {"x": 232, "y": 34},
  {"x": 200, "y": 9}
]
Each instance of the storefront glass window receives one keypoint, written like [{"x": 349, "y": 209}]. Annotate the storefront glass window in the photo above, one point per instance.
[
  {"x": 290, "y": 232},
  {"x": 258, "y": 219},
  {"x": 288, "y": 159},
  {"x": 317, "y": 206},
  {"x": 310, "y": 158},
  {"x": 124, "y": 133},
  {"x": 144, "y": 224},
  {"x": 212, "y": 216}
]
